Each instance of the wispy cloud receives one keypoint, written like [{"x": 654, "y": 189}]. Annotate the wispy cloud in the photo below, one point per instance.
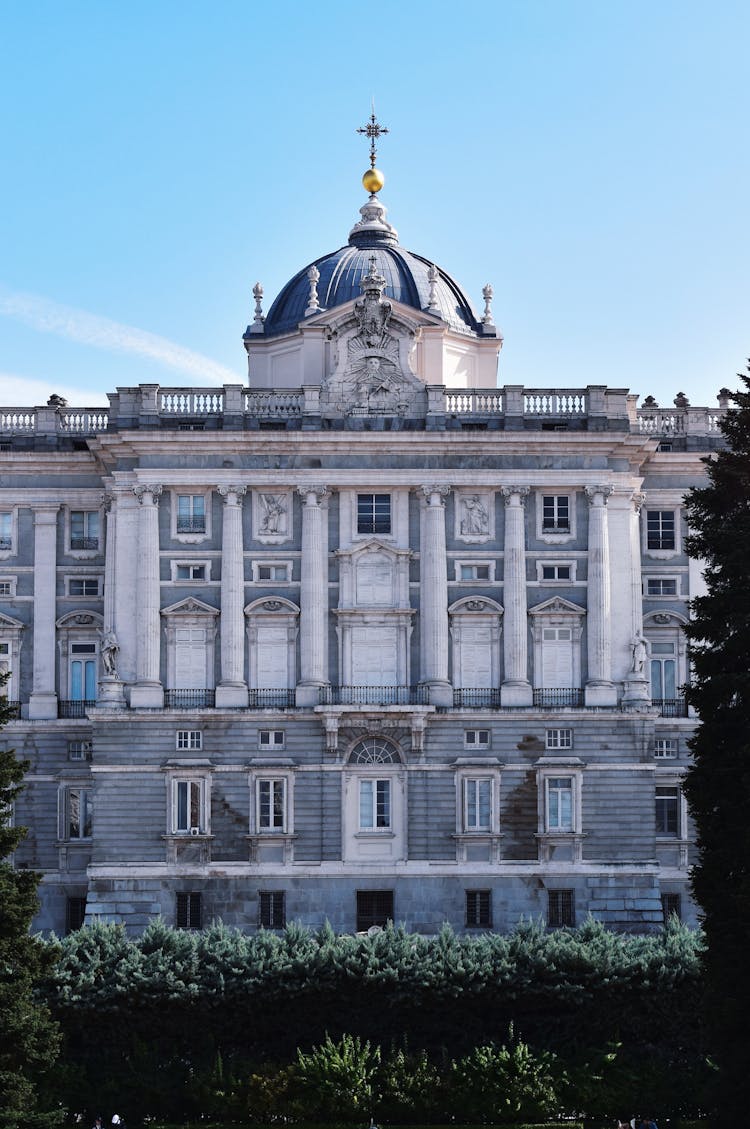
[
  {"x": 22, "y": 391},
  {"x": 47, "y": 316}
]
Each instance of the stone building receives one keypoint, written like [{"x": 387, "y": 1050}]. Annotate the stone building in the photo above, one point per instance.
[{"x": 371, "y": 638}]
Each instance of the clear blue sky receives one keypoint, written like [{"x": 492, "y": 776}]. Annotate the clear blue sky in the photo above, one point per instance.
[{"x": 590, "y": 159}]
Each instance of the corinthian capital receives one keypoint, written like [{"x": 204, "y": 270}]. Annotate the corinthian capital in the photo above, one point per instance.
[
  {"x": 520, "y": 492},
  {"x": 152, "y": 488},
  {"x": 441, "y": 489},
  {"x": 318, "y": 492},
  {"x": 232, "y": 495},
  {"x": 593, "y": 492}
]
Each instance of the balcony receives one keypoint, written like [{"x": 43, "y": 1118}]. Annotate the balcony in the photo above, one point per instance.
[
  {"x": 84, "y": 543},
  {"x": 476, "y": 698},
  {"x": 569, "y": 697},
  {"x": 268, "y": 699},
  {"x": 671, "y": 707},
  {"x": 374, "y": 696},
  {"x": 75, "y": 707},
  {"x": 189, "y": 699},
  {"x": 191, "y": 525}
]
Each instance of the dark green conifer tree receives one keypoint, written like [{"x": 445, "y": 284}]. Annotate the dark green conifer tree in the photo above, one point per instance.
[
  {"x": 28, "y": 1036},
  {"x": 718, "y": 784}
]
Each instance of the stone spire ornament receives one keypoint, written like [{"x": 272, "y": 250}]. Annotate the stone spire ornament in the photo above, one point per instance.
[
  {"x": 488, "y": 294},
  {"x": 313, "y": 305},
  {"x": 432, "y": 306},
  {"x": 258, "y": 320}
]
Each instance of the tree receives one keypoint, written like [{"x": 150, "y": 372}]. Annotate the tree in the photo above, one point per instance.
[
  {"x": 718, "y": 783},
  {"x": 28, "y": 1037}
]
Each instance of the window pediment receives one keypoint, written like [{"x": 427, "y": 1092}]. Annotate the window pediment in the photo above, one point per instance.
[
  {"x": 476, "y": 605},
  {"x": 8, "y": 623},
  {"x": 557, "y": 606},
  {"x": 190, "y": 607},
  {"x": 87, "y": 621},
  {"x": 272, "y": 605}
]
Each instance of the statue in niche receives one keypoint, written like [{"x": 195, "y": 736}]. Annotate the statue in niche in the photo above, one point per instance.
[
  {"x": 475, "y": 518},
  {"x": 639, "y": 651},
  {"x": 274, "y": 513},
  {"x": 109, "y": 651}
]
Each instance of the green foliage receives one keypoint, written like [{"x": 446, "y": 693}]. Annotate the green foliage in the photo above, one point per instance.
[
  {"x": 28, "y": 1037},
  {"x": 718, "y": 784},
  {"x": 337, "y": 1079},
  {"x": 505, "y": 1084}
]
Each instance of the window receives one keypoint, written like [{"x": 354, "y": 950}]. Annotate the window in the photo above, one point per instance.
[
  {"x": 374, "y": 907},
  {"x": 373, "y": 513},
  {"x": 271, "y": 799},
  {"x": 559, "y": 803},
  {"x": 556, "y": 513},
  {"x": 671, "y": 904},
  {"x": 7, "y": 585},
  {"x": 191, "y": 513},
  {"x": 189, "y": 739},
  {"x": 478, "y": 909},
  {"x": 473, "y": 572},
  {"x": 477, "y": 738},
  {"x": 75, "y": 914},
  {"x": 374, "y": 805},
  {"x": 6, "y": 530},
  {"x": 658, "y": 586},
  {"x": 668, "y": 811},
  {"x": 83, "y": 586},
  {"x": 560, "y": 908},
  {"x": 271, "y": 573},
  {"x": 271, "y": 738},
  {"x": 663, "y": 669},
  {"x": 477, "y": 803},
  {"x": 660, "y": 529},
  {"x": 556, "y": 572},
  {"x": 84, "y": 529},
  {"x": 78, "y": 814},
  {"x": 79, "y": 750},
  {"x": 190, "y": 572},
  {"x": 189, "y": 911},
  {"x": 83, "y": 672},
  {"x": 665, "y": 748},
  {"x": 559, "y": 738},
  {"x": 271, "y": 909},
  {"x": 188, "y": 806}
]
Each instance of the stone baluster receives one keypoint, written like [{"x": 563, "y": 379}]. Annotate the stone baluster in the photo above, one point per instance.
[
  {"x": 600, "y": 690},
  {"x": 148, "y": 690},
  {"x": 516, "y": 688},
  {"x": 433, "y": 591},
  {"x": 313, "y": 596},
  {"x": 232, "y": 690},
  {"x": 43, "y": 700}
]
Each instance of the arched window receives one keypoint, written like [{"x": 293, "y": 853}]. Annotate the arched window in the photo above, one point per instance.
[
  {"x": 374, "y": 801},
  {"x": 374, "y": 750}
]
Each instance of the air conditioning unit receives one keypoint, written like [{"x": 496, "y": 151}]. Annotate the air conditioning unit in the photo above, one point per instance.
[{"x": 195, "y": 830}]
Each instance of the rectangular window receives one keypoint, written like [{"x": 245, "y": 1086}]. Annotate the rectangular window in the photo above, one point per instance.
[
  {"x": 663, "y": 670},
  {"x": 271, "y": 738},
  {"x": 79, "y": 821},
  {"x": 560, "y": 908},
  {"x": 556, "y": 513},
  {"x": 660, "y": 530},
  {"x": 373, "y": 513},
  {"x": 188, "y": 806},
  {"x": 474, "y": 572},
  {"x": 189, "y": 739},
  {"x": 271, "y": 909},
  {"x": 667, "y": 811},
  {"x": 83, "y": 672},
  {"x": 6, "y": 531},
  {"x": 556, "y": 572},
  {"x": 191, "y": 513},
  {"x": 189, "y": 911},
  {"x": 75, "y": 914},
  {"x": 477, "y": 738},
  {"x": 665, "y": 748},
  {"x": 374, "y": 907},
  {"x": 83, "y": 586},
  {"x": 559, "y": 738},
  {"x": 671, "y": 905},
  {"x": 374, "y": 805},
  {"x": 84, "y": 529},
  {"x": 190, "y": 572},
  {"x": 7, "y": 587},
  {"x": 79, "y": 750},
  {"x": 559, "y": 803},
  {"x": 477, "y": 804},
  {"x": 274, "y": 573},
  {"x": 272, "y": 805},
  {"x": 478, "y": 909},
  {"x": 657, "y": 586}
]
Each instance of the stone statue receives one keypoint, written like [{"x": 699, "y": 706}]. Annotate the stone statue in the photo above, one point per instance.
[
  {"x": 639, "y": 651},
  {"x": 109, "y": 650},
  {"x": 274, "y": 511},
  {"x": 475, "y": 519}
]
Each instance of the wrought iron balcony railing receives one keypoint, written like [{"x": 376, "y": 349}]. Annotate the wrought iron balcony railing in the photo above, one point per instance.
[
  {"x": 558, "y": 698},
  {"x": 476, "y": 697},
  {"x": 84, "y": 542},
  {"x": 375, "y": 695},
  {"x": 269, "y": 698},
  {"x": 191, "y": 525},
  {"x": 671, "y": 707},
  {"x": 189, "y": 699},
  {"x": 74, "y": 707}
]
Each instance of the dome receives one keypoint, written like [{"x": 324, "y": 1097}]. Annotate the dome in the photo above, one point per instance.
[{"x": 407, "y": 278}]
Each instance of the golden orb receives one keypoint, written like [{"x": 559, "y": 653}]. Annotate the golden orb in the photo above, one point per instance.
[{"x": 373, "y": 180}]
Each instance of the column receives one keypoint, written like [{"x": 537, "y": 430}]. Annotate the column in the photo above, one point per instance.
[
  {"x": 110, "y": 690},
  {"x": 433, "y": 595},
  {"x": 600, "y": 690},
  {"x": 516, "y": 688},
  {"x": 637, "y": 692},
  {"x": 43, "y": 700},
  {"x": 313, "y": 596},
  {"x": 148, "y": 691},
  {"x": 123, "y": 590},
  {"x": 232, "y": 690}
]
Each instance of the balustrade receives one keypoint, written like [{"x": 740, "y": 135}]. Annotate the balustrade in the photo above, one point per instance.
[{"x": 375, "y": 695}]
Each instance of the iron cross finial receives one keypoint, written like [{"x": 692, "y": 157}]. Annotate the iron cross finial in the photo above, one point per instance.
[{"x": 373, "y": 130}]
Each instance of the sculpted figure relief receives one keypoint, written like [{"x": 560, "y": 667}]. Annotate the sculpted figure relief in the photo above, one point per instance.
[
  {"x": 274, "y": 513},
  {"x": 109, "y": 650},
  {"x": 639, "y": 651},
  {"x": 475, "y": 518}
]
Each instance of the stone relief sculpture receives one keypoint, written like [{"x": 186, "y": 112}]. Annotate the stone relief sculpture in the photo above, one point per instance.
[
  {"x": 639, "y": 651},
  {"x": 274, "y": 513},
  {"x": 475, "y": 519},
  {"x": 109, "y": 651}
]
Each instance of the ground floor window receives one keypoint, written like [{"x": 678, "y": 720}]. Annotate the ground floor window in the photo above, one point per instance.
[
  {"x": 272, "y": 909},
  {"x": 189, "y": 911},
  {"x": 374, "y": 907},
  {"x": 75, "y": 914},
  {"x": 671, "y": 904},
  {"x": 478, "y": 909},
  {"x": 560, "y": 908}
]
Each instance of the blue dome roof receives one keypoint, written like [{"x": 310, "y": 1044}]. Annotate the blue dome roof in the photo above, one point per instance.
[{"x": 406, "y": 276}]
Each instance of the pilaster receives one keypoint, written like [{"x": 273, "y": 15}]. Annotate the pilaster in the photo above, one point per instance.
[
  {"x": 148, "y": 691},
  {"x": 43, "y": 700},
  {"x": 600, "y": 690},
  {"x": 434, "y": 596},
  {"x": 232, "y": 690},
  {"x": 516, "y": 688},
  {"x": 313, "y": 595}
]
